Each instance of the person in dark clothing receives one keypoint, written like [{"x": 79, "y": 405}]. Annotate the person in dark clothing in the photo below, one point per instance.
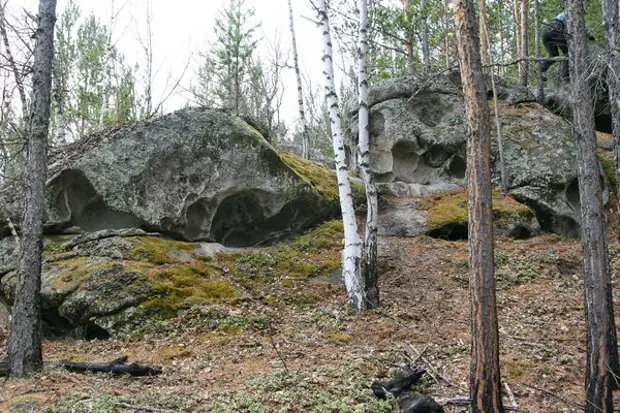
[{"x": 554, "y": 39}]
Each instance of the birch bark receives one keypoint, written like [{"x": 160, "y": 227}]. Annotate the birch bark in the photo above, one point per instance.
[
  {"x": 369, "y": 258},
  {"x": 351, "y": 255}
]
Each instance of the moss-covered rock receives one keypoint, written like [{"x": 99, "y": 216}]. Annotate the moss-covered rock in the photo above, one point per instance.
[
  {"x": 102, "y": 287},
  {"x": 447, "y": 215}
]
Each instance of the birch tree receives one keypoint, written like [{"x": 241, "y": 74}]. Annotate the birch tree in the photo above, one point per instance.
[
  {"x": 25, "y": 354},
  {"x": 484, "y": 378},
  {"x": 351, "y": 255},
  {"x": 601, "y": 343},
  {"x": 369, "y": 261},
  {"x": 305, "y": 140}
]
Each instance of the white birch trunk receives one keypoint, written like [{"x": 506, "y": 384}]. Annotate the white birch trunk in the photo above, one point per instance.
[
  {"x": 369, "y": 263},
  {"x": 61, "y": 127},
  {"x": 305, "y": 141},
  {"x": 351, "y": 255}
]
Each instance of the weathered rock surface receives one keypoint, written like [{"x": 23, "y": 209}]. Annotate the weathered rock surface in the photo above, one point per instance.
[
  {"x": 445, "y": 216},
  {"x": 195, "y": 174},
  {"x": 418, "y": 141},
  {"x": 558, "y": 91},
  {"x": 110, "y": 282}
]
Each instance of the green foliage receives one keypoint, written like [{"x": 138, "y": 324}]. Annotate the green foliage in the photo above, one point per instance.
[
  {"x": 92, "y": 83},
  {"x": 228, "y": 64}
]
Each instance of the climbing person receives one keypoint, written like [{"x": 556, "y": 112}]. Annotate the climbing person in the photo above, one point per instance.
[{"x": 555, "y": 38}]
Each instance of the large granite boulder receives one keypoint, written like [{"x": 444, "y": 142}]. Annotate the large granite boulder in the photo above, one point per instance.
[
  {"x": 195, "y": 174},
  {"x": 418, "y": 144}
]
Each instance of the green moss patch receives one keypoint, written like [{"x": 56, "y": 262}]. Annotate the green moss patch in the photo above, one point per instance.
[
  {"x": 319, "y": 177},
  {"x": 337, "y": 336},
  {"x": 312, "y": 254},
  {"x": 163, "y": 278},
  {"x": 450, "y": 208},
  {"x": 609, "y": 168}
]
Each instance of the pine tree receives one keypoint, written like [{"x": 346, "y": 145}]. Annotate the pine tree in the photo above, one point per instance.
[{"x": 25, "y": 353}]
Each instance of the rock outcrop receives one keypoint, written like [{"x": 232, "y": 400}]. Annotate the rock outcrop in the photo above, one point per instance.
[
  {"x": 195, "y": 174},
  {"x": 109, "y": 282},
  {"x": 418, "y": 144}
]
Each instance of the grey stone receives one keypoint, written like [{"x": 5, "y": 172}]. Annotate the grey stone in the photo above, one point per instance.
[
  {"x": 196, "y": 174},
  {"x": 418, "y": 144}
]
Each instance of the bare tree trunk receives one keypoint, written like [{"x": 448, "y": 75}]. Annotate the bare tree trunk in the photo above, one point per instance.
[
  {"x": 147, "y": 47},
  {"x": 446, "y": 40},
  {"x": 612, "y": 39},
  {"x": 369, "y": 257},
  {"x": 485, "y": 382},
  {"x": 539, "y": 82},
  {"x": 426, "y": 53},
  {"x": 601, "y": 329},
  {"x": 351, "y": 255},
  {"x": 61, "y": 127},
  {"x": 25, "y": 355},
  {"x": 409, "y": 36},
  {"x": 305, "y": 139},
  {"x": 484, "y": 39},
  {"x": 19, "y": 80},
  {"x": 524, "y": 45},
  {"x": 500, "y": 141},
  {"x": 502, "y": 44},
  {"x": 515, "y": 11}
]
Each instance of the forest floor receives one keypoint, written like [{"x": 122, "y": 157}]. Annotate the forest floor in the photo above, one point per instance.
[{"x": 314, "y": 355}]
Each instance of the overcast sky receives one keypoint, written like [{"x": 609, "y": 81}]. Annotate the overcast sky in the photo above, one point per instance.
[{"x": 183, "y": 28}]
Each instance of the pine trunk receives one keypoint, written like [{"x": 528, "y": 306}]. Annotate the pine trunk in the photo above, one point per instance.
[
  {"x": 502, "y": 43},
  {"x": 409, "y": 36},
  {"x": 351, "y": 255},
  {"x": 369, "y": 260},
  {"x": 485, "y": 384},
  {"x": 612, "y": 37},
  {"x": 426, "y": 52},
  {"x": 305, "y": 141},
  {"x": 25, "y": 354},
  {"x": 484, "y": 47},
  {"x": 540, "y": 95},
  {"x": 515, "y": 11},
  {"x": 601, "y": 330},
  {"x": 524, "y": 45}
]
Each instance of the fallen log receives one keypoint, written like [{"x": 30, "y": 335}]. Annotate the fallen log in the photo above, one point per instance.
[
  {"x": 116, "y": 366},
  {"x": 397, "y": 385},
  {"x": 413, "y": 403}
]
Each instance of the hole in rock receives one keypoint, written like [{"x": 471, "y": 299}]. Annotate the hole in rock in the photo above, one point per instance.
[
  {"x": 405, "y": 161},
  {"x": 458, "y": 167},
  {"x": 243, "y": 219},
  {"x": 77, "y": 203},
  {"x": 436, "y": 156},
  {"x": 451, "y": 232},
  {"x": 520, "y": 232}
]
